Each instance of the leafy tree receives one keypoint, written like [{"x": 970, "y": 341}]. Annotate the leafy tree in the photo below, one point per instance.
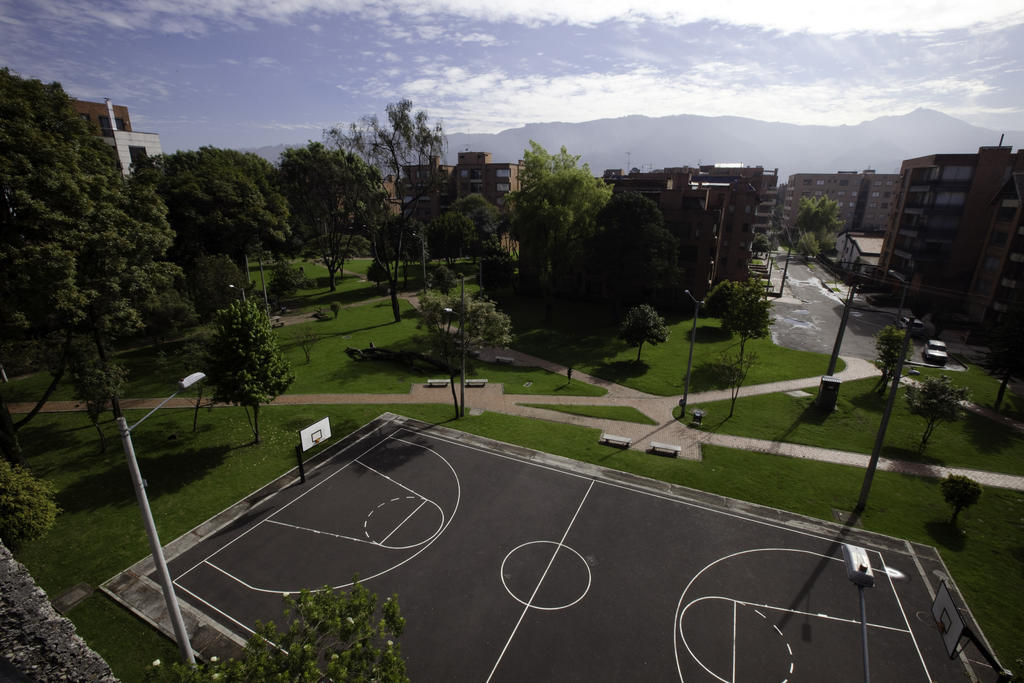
[
  {"x": 936, "y": 399},
  {"x": 404, "y": 144},
  {"x": 484, "y": 325},
  {"x": 732, "y": 371},
  {"x": 746, "y": 313},
  {"x": 1005, "y": 356},
  {"x": 808, "y": 245},
  {"x": 215, "y": 281},
  {"x": 333, "y": 194},
  {"x": 643, "y": 324},
  {"x": 443, "y": 279},
  {"x": 762, "y": 244},
  {"x": 888, "y": 346},
  {"x": 553, "y": 215},
  {"x": 960, "y": 492},
  {"x": 222, "y": 201},
  {"x": 450, "y": 235},
  {"x": 486, "y": 218},
  {"x": 633, "y": 255},
  {"x": 377, "y": 272},
  {"x": 819, "y": 216},
  {"x": 286, "y": 279},
  {"x": 497, "y": 264},
  {"x": 94, "y": 384},
  {"x": 246, "y": 365},
  {"x": 330, "y": 636},
  {"x": 81, "y": 247},
  {"x": 28, "y": 505}
]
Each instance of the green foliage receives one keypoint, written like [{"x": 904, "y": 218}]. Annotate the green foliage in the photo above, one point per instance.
[
  {"x": 214, "y": 282},
  {"x": 643, "y": 324},
  {"x": 27, "y": 505},
  {"x": 1005, "y": 356},
  {"x": 332, "y": 194},
  {"x": 377, "y": 272},
  {"x": 817, "y": 217},
  {"x": 936, "y": 399},
  {"x": 286, "y": 279},
  {"x": 330, "y": 636},
  {"x": 443, "y": 279},
  {"x": 222, "y": 201},
  {"x": 747, "y": 313},
  {"x": 486, "y": 218},
  {"x": 761, "y": 244},
  {"x": 960, "y": 492},
  {"x": 888, "y": 346},
  {"x": 451, "y": 235},
  {"x": 335, "y": 309},
  {"x": 808, "y": 245},
  {"x": 553, "y": 215},
  {"x": 96, "y": 383},
  {"x": 246, "y": 365}
]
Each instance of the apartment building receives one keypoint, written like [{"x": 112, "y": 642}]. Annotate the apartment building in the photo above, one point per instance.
[
  {"x": 475, "y": 173},
  {"x": 955, "y": 232},
  {"x": 865, "y": 198},
  {"x": 113, "y": 123}
]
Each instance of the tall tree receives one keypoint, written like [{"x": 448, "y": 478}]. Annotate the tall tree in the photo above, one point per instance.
[
  {"x": 888, "y": 346},
  {"x": 643, "y": 324},
  {"x": 936, "y": 399},
  {"x": 959, "y": 492},
  {"x": 746, "y": 314},
  {"x": 246, "y": 364},
  {"x": 1005, "y": 356},
  {"x": 819, "y": 216},
  {"x": 553, "y": 215},
  {"x": 333, "y": 194},
  {"x": 81, "y": 247},
  {"x": 222, "y": 201},
  {"x": 28, "y": 507},
  {"x": 409, "y": 150},
  {"x": 450, "y": 236},
  {"x": 484, "y": 325}
]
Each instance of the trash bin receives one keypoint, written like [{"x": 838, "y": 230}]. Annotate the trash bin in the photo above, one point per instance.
[
  {"x": 698, "y": 416},
  {"x": 828, "y": 392}
]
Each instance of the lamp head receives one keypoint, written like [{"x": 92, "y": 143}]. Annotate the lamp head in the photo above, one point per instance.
[{"x": 191, "y": 379}]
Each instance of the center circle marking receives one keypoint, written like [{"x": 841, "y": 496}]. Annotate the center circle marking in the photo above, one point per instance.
[{"x": 558, "y": 547}]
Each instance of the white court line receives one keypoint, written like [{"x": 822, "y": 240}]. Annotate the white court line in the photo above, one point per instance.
[
  {"x": 325, "y": 533},
  {"x": 776, "y": 608},
  {"x": 735, "y": 618},
  {"x": 214, "y": 607},
  {"x": 423, "y": 501},
  {"x": 539, "y": 583},
  {"x": 892, "y": 585}
]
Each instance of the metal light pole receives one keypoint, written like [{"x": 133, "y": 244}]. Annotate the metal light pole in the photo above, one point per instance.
[
  {"x": 242, "y": 289},
  {"x": 689, "y": 363},
  {"x": 462, "y": 343},
  {"x": 173, "y": 611}
]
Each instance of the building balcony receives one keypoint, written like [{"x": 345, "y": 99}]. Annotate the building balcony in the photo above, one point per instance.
[{"x": 1009, "y": 283}]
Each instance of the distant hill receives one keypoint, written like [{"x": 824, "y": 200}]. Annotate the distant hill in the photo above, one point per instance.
[{"x": 688, "y": 139}]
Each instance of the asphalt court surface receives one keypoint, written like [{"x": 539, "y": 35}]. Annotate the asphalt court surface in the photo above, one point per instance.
[{"x": 511, "y": 567}]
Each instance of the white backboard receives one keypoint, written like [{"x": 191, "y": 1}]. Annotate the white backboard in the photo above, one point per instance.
[
  {"x": 947, "y": 619},
  {"x": 315, "y": 433}
]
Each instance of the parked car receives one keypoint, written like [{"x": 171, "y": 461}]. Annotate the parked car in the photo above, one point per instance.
[
  {"x": 935, "y": 352},
  {"x": 917, "y": 328}
]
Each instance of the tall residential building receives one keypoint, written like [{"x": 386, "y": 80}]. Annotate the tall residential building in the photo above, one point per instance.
[
  {"x": 955, "y": 232},
  {"x": 865, "y": 198},
  {"x": 474, "y": 173},
  {"x": 114, "y": 125}
]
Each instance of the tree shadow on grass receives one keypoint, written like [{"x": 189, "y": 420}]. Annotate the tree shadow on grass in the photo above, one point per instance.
[
  {"x": 946, "y": 535},
  {"x": 912, "y": 455},
  {"x": 621, "y": 370},
  {"x": 709, "y": 335}
]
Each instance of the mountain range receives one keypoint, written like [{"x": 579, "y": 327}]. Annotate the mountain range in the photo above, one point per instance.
[{"x": 687, "y": 140}]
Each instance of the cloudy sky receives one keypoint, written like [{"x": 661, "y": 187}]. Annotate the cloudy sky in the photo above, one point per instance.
[{"x": 247, "y": 73}]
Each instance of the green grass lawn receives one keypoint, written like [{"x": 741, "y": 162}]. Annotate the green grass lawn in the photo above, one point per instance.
[
  {"x": 984, "y": 389},
  {"x": 194, "y": 476},
  {"x": 975, "y": 442},
  {"x": 623, "y": 413},
  {"x": 585, "y": 336}
]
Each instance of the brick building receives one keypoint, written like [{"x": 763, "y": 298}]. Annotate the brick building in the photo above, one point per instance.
[
  {"x": 865, "y": 198},
  {"x": 955, "y": 231},
  {"x": 474, "y": 173},
  {"x": 114, "y": 125}
]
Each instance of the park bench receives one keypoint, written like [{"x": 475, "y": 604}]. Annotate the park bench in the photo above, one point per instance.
[
  {"x": 438, "y": 382},
  {"x": 614, "y": 440},
  {"x": 276, "y": 321},
  {"x": 504, "y": 360},
  {"x": 476, "y": 382},
  {"x": 666, "y": 448}
]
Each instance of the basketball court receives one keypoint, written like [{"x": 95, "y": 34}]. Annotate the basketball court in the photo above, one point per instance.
[{"x": 514, "y": 565}]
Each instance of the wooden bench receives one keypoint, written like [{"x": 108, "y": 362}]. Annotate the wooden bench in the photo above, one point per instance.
[
  {"x": 666, "y": 448},
  {"x": 276, "y": 321},
  {"x": 476, "y": 382},
  {"x": 438, "y": 382},
  {"x": 504, "y": 360},
  {"x": 614, "y": 440}
]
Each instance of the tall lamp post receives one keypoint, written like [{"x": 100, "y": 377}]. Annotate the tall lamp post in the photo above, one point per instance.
[
  {"x": 241, "y": 289},
  {"x": 147, "y": 518},
  {"x": 689, "y": 363}
]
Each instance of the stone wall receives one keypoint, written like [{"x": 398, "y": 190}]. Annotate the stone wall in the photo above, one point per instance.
[{"x": 37, "y": 643}]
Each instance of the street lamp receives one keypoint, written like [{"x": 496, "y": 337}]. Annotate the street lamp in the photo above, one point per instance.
[
  {"x": 173, "y": 612},
  {"x": 689, "y": 363},
  {"x": 462, "y": 344},
  {"x": 241, "y": 289},
  {"x": 858, "y": 570}
]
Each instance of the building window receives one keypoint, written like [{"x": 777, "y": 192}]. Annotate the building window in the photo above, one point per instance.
[
  {"x": 841, "y": 193},
  {"x": 819, "y": 182},
  {"x": 105, "y": 122},
  {"x": 475, "y": 174},
  {"x": 503, "y": 187},
  {"x": 503, "y": 173},
  {"x": 957, "y": 172},
  {"x": 991, "y": 263},
  {"x": 949, "y": 198},
  {"x": 807, "y": 181},
  {"x": 844, "y": 183},
  {"x": 85, "y": 117},
  {"x": 138, "y": 154},
  {"x": 998, "y": 238},
  {"x": 464, "y": 173}
]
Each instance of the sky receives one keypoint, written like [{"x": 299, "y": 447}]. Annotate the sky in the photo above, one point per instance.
[{"x": 249, "y": 73}]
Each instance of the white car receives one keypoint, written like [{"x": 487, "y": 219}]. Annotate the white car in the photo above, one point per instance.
[{"x": 935, "y": 352}]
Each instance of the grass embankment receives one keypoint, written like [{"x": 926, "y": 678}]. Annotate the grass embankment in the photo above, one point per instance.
[
  {"x": 622, "y": 413},
  {"x": 974, "y": 442}
]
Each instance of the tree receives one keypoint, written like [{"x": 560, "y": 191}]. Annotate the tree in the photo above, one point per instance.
[
  {"x": 936, "y": 399},
  {"x": 330, "y": 636},
  {"x": 215, "y": 281},
  {"x": 746, "y": 314},
  {"x": 286, "y": 279},
  {"x": 643, "y": 324},
  {"x": 408, "y": 149},
  {"x": 818, "y": 216},
  {"x": 732, "y": 370},
  {"x": 222, "y": 201},
  {"x": 333, "y": 194},
  {"x": 28, "y": 507},
  {"x": 81, "y": 247},
  {"x": 95, "y": 383},
  {"x": 960, "y": 492},
  {"x": 307, "y": 339},
  {"x": 808, "y": 245},
  {"x": 1005, "y": 356},
  {"x": 633, "y": 256},
  {"x": 553, "y": 215},
  {"x": 246, "y": 365},
  {"x": 888, "y": 346},
  {"x": 450, "y": 235},
  {"x": 762, "y": 244},
  {"x": 483, "y": 325},
  {"x": 486, "y": 219},
  {"x": 443, "y": 279}
]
